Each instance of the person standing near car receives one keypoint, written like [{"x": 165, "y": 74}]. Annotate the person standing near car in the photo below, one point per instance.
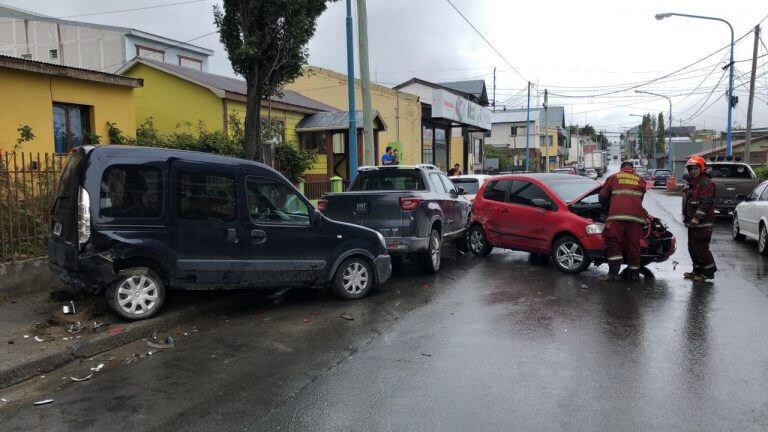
[
  {"x": 386, "y": 158},
  {"x": 699, "y": 217},
  {"x": 622, "y": 196}
]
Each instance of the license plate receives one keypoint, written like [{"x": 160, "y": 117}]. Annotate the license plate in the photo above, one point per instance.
[{"x": 57, "y": 229}]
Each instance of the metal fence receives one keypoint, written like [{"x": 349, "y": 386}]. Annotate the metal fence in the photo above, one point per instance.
[{"x": 27, "y": 185}]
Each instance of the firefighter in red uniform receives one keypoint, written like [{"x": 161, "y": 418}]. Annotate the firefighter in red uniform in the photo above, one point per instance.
[
  {"x": 699, "y": 217},
  {"x": 622, "y": 196}
]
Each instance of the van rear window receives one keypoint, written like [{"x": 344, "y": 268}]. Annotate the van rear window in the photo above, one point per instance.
[
  {"x": 131, "y": 191},
  {"x": 67, "y": 190}
]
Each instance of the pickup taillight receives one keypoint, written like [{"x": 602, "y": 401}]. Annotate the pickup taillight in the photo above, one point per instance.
[
  {"x": 322, "y": 205},
  {"x": 410, "y": 203}
]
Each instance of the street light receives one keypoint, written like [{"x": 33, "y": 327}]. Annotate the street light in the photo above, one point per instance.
[
  {"x": 661, "y": 16},
  {"x": 670, "y": 162}
]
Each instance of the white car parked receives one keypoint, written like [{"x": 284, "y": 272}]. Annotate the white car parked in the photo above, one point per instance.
[
  {"x": 471, "y": 183},
  {"x": 750, "y": 219},
  {"x": 592, "y": 174}
]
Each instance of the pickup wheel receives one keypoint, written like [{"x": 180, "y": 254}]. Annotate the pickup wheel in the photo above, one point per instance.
[
  {"x": 478, "y": 242},
  {"x": 138, "y": 293},
  {"x": 429, "y": 260},
  {"x": 353, "y": 280}
]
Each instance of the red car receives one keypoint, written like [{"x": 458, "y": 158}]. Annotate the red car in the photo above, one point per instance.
[{"x": 555, "y": 215}]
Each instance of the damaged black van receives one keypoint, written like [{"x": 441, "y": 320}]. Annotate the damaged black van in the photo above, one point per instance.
[{"x": 134, "y": 222}]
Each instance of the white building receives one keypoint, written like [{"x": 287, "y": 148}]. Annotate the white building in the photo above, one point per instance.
[{"x": 89, "y": 46}]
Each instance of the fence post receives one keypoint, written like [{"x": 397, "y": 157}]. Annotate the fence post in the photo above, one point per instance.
[
  {"x": 300, "y": 185},
  {"x": 336, "y": 185}
]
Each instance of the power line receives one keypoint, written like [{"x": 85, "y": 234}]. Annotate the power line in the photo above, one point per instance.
[
  {"x": 132, "y": 10},
  {"x": 486, "y": 41}
]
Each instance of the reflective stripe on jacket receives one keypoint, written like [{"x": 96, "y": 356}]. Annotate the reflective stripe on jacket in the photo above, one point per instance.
[
  {"x": 699, "y": 201},
  {"x": 623, "y": 194}
]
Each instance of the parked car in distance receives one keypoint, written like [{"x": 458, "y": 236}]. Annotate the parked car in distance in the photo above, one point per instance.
[
  {"x": 731, "y": 180},
  {"x": 470, "y": 183},
  {"x": 658, "y": 177},
  {"x": 553, "y": 215},
  {"x": 750, "y": 218},
  {"x": 591, "y": 174},
  {"x": 134, "y": 222},
  {"x": 566, "y": 170},
  {"x": 642, "y": 172},
  {"x": 416, "y": 208}
]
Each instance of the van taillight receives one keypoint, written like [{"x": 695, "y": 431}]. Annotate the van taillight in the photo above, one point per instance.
[
  {"x": 322, "y": 205},
  {"x": 409, "y": 203},
  {"x": 84, "y": 217}
]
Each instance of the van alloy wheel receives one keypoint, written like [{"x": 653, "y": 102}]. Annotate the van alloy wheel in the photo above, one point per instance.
[
  {"x": 138, "y": 293},
  {"x": 355, "y": 278}
]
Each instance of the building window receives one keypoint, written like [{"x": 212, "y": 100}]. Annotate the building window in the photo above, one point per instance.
[
  {"x": 53, "y": 54},
  {"x": 313, "y": 141},
  {"x": 513, "y": 131},
  {"x": 190, "y": 62},
  {"x": 150, "y": 53},
  {"x": 71, "y": 126},
  {"x": 26, "y": 56}
]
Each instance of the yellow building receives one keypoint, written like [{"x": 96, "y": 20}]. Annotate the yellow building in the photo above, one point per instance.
[
  {"x": 64, "y": 106},
  {"x": 177, "y": 97},
  {"x": 401, "y": 112}
]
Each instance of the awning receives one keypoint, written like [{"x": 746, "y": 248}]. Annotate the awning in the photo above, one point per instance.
[{"x": 337, "y": 120}]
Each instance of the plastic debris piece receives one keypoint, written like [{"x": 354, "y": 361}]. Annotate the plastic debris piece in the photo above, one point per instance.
[
  {"x": 44, "y": 402},
  {"x": 674, "y": 265},
  {"x": 3, "y": 400},
  {"x": 85, "y": 378},
  {"x": 26, "y": 336},
  {"x": 583, "y": 286},
  {"x": 75, "y": 327},
  {"x": 426, "y": 355},
  {"x": 154, "y": 342},
  {"x": 116, "y": 329},
  {"x": 347, "y": 317},
  {"x": 98, "y": 367},
  {"x": 307, "y": 320},
  {"x": 39, "y": 339}
]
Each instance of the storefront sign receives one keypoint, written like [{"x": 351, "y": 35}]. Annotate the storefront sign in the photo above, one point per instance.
[{"x": 449, "y": 106}]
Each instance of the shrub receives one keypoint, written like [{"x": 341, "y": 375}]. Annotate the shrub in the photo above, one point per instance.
[{"x": 762, "y": 173}]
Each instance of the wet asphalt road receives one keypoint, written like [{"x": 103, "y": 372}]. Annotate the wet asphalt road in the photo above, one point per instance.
[{"x": 488, "y": 344}]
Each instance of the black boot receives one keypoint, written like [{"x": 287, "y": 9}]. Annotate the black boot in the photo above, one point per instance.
[
  {"x": 633, "y": 274},
  {"x": 613, "y": 272}
]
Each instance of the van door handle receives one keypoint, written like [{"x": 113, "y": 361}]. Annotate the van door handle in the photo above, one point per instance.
[{"x": 258, "y": 236}]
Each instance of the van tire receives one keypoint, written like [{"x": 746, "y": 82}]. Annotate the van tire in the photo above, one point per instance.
[
  {"x": 430, "y": 259},
  {"x": 144, "y": 283},
  {"x": 354, "y": 279}
]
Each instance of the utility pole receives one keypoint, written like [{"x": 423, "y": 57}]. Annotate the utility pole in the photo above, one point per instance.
[
  {"x": 546, "y": 130},
  {"x": 748, "y": 137},
  {"x": 528, "y": 128},
  {"x": 365, "y": 83},
  {"x": 352, "y": 139},
  {"x": 494, "y": 89}
]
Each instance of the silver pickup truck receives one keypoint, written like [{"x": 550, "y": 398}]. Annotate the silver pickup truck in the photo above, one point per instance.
[{"x": 731, "y": 179}]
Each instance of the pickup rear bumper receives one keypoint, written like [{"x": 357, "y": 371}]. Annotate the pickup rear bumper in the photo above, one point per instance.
[
  {"x": 726, "y": 203},
  {"x": 406, "y": 245}
]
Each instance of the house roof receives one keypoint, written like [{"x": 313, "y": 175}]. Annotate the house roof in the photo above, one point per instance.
[
  {"x": 555, "y": 116},
  {"x": 464, "y": 89},
  {"x": 68, "y": 72},
  {"x": 338, "y": 120},
  {"x": 226, "y": 87},
  {"x": 475, "y": 88},
  {"x": 734, "y": 144},
  {"x": 22, "y": 14}
]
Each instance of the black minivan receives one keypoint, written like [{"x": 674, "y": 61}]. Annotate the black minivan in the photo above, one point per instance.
[{"x": 135, "y": 221}]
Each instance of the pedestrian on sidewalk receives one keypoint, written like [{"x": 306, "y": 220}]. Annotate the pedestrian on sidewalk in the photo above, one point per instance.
[
  {"x": 386, "y": 158},
  {"x": 699, "y": 217},
  {"x": 622, "y": 198}
]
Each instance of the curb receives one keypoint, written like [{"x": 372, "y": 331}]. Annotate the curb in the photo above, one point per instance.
[{"x": 102, "y": 342}]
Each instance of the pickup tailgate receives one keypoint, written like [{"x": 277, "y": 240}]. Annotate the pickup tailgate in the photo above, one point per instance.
[{"x": 380, "y": 211}]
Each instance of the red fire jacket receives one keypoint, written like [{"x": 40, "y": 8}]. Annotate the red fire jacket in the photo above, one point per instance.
[
  {"x": 623, "y": 194},
  {"x": 699, "y": 201}
]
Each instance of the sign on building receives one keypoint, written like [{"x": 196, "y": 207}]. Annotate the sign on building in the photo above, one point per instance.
[{"x": 450, "y": 106}]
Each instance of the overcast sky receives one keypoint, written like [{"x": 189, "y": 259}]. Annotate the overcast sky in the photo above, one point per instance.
[{"x": 571, "y": 48}]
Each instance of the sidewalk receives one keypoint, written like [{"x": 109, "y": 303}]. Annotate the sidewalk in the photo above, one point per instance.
[{"x": 36, "y": 337}]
